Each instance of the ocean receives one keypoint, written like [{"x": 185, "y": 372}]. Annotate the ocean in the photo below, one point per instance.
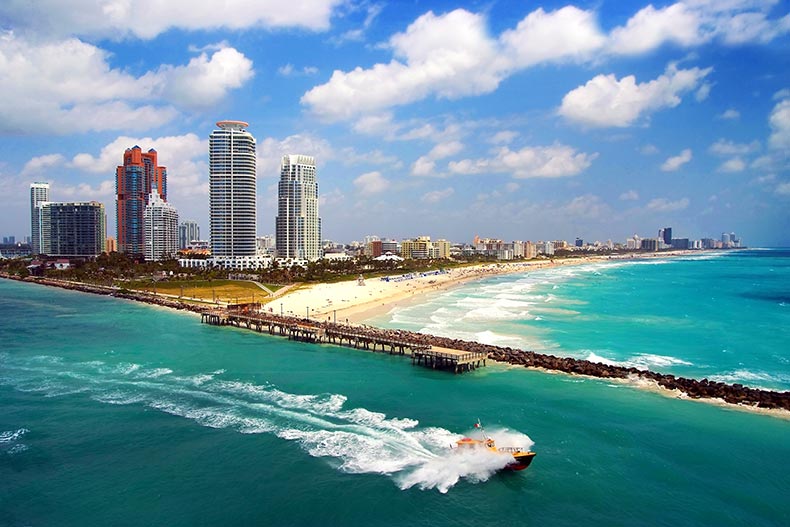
[{"x": 116, "y": 413}]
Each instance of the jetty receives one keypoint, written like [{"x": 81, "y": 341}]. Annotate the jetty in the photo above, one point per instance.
[{"x": 367, "y": 338}]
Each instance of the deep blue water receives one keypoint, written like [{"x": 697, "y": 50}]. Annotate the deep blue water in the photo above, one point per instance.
[{"x": 115, "y": 413}]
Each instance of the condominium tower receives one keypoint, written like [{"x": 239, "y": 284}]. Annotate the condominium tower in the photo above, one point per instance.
[
  {"x": 160, "y": 222},
  {"x": 188, "y": 231},
  {"x": 39, "y": 193},
  {"x": 135, "y": 180},
  {"x": 72, "y": 228},
  {"x": 298, "y": 227},
  {"x": 232, "y": 198}
]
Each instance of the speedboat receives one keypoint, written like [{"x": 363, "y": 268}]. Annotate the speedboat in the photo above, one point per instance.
[{"x": 521, "y": 458}]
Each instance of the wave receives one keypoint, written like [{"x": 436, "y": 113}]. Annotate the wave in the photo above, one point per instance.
[
  {"x": 353, "y": 439},
  {"x": 757, "y": 379},
  {"x": 9, "y": 441},
  {"x": 641, "y": 361}
]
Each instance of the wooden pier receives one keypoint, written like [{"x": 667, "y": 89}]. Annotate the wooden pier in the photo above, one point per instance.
[
  {"x": 358, "y": 338},
  {"x": 447, "y": 359}
]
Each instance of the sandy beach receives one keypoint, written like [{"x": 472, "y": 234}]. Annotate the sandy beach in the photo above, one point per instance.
[{"x": 353, "y": 302}]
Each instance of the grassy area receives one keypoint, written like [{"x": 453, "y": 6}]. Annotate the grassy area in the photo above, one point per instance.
[{"x": 231, "y": 291}]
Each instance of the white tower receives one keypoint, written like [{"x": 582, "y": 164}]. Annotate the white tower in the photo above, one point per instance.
[
  {"x": 298, "y": 225},
  {"x": 39, "y": 193},
  {"x": 160, "y": 229},
  {"x": 232, "y": 193}
]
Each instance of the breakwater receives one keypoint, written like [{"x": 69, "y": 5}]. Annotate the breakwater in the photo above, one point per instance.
[{"x": 731, "y": 393}]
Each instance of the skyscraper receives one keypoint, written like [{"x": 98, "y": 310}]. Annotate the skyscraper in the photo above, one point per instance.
[
  {"x": 39, "y": 193},
  {"x": 72, "y": 228},
  {"x": 135, "y": 180},
  {"x": 188, "y": 230},
  {"x": 232, "y": 199},
  {"x": 298, "y": 227},
  {"x": 160, "y": 222},
  {"x": 666, "y": 235}
]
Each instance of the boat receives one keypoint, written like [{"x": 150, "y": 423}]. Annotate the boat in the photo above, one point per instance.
[{"x": 521, "y": 457}]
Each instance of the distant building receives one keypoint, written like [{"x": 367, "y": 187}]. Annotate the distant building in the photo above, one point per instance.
[
  {"x": 373, "y": 248},
  {"x": 160, "y": 224},
  {"x": 665, "y": 235},
  {"x": 135, "y": 180},
  {"x": 188, "y": 230},
  {"x": 298, "y": 226},
  {"x": 72, "y": 229},
  {"x": 111, "y": 245},
  {"x": 651, "y": 244},
  {"x": 232, "y": 195},
  {"x": 579, "y": 242},
  {"x": 39, "y": 193}
]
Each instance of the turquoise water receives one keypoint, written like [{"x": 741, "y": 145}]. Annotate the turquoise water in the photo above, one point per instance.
[
  {"x": 115, "y": 413},
  {"x": 722, "y": 316}
]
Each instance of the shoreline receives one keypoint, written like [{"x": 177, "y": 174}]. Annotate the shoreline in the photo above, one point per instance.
[{"x": 733, "y": 396}]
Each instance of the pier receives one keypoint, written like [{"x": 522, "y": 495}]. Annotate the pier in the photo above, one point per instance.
[{"x": 371, "y": 339}]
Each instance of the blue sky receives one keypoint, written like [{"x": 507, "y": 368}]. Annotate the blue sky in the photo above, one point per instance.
[{"x": 508, "y": 119}]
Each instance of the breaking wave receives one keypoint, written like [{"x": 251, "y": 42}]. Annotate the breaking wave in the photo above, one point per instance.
[{"x": 354, "y": 440}]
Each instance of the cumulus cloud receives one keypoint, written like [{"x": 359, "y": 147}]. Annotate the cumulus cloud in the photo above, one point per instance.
[
  {"x": 290, "y": 71},
  {"x": 84, "y": 191},
  {"x": 730, "y": 114},
  {"x": 436, "y": 196},
  {"x": 529, "y": 162},
  {"x": 204, "y": 80},
  {"x": 587, "y": 206},
  {"x": 454, "y": 55},
  {"x": 69, "y": 86},
  {"x": 426, "y": 165},
  {"x": 270, "y": 152},
  {"x": 147, "y": 19},
  {"x": 736, "y": 164},
  {"x": 630, "y": 195},
  {"x": 723, "y": 147},
  {"x": 503, "y": 137},
  {"x": 665, "y": 205},
  {"x": 780, "y": 125},
  {"x": 783, "y": 189},
  {"x": 38, "y": 165},
  {"x": 371, "y": 183},
  {"x": 648, "y": 150},
  {"x": 606, "y": 101},
  {"x": 183, "y": 155},
  {"x": 675, "y": 162}
]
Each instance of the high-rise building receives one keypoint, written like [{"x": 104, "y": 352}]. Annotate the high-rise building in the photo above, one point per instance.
[
  {"x": 232, "y": 188},
  {"x": 135, "y": 180},
  {"x": 39, "y": 193},
  {"x": 160, "y": 223},
  {"x": 666, "y": 235},
  {"x": 298, "y": 227},
  {"x": 72, "y": 228},
  {"x": 188, "y": 231}
]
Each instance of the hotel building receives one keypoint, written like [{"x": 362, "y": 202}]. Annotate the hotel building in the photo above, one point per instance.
[
  {"x": 232, "y": 195},
  {"x": 72, "y": 228},
  {"x": 298, "y": 227},
  {"x": 135, "y": 181},
  {"x": 188, "y": 231},
  {"x": 39, "y": 193},
  {"x": 160, "y": 223}
]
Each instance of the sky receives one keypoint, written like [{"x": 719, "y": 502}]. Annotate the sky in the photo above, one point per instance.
[{"x": 508, "y": 119}]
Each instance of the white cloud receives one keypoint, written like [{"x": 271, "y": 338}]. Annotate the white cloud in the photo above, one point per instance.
[
  {"x": 630, "y": 195},
  {"x": 69, "y": 86},
  {"x": 723, "y": 147},
  {"x": 453, "y": 55},
  {"x": 84, "y": 191},
  {"x": 780, "y": 125},
  {"x": 675, "y": 162},
  {"x": 529, "y": 162},
  {"x": 148, "y": 18},
  {"x": 730, "y": 114},
  {"x": 270, "y": 152},
  {"x": 703, "y": 92},
  {"x": 289, "y": 70},
  {"x": 371, "y": 183},
  {"x": 665, "y": 205},
  {"x": 437, "y": 195},
  {"x": 204, "y": 81},
  {"x": 587, "y": 206},
  {"x": 503, "y": 137},
  {"x": 605, "y": 101},
  {"x": 183, "y": 155},
  {"x": 648, "y": 150},
  {"x": 38, "y": 165},
  {"x": 568, "y": 33},
  {"x": 736, "y": 164},
  {"x": 783, "y": 189},
  {"x": 426, "y": 165},
  {"x": 651, "y": 27}
]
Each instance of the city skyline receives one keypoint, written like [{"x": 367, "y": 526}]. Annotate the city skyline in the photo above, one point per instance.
[{"x": 523, "y": 121}]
